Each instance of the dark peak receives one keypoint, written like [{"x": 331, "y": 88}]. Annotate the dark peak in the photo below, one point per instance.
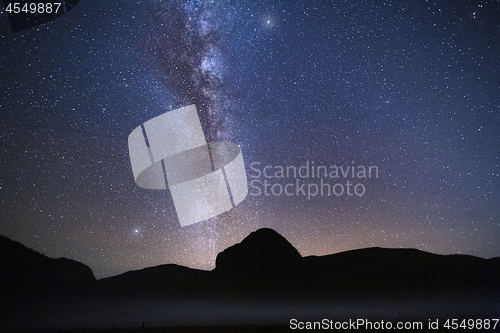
[
  {"x": 20, "y": 264},
  {"x": 264, "y": 248},
  {"x": 159, "y": 272},
  {"x": 12, "y": 251}
]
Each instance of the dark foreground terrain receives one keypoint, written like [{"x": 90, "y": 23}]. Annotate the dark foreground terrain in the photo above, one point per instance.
[{"x": 258, "y": 285}]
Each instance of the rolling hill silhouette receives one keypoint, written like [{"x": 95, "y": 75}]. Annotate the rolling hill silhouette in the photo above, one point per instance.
[
  {"x": 27, "y": 270},
  {"x": 265, "y": 262},
  {"x": 263, "y": 269}
]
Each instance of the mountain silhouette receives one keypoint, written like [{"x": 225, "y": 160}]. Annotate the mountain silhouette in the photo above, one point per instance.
[
  {"x": 24, "y": 268},
  {"x": 265, "y": 264},
  {"x": 262, "y": 249},
  {"x": 263, "y": 270}
]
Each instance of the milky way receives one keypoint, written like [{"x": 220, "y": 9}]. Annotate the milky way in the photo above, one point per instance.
[{"x": 185, "y": 42}]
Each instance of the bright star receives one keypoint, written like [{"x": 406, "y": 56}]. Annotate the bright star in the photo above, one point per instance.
[{"x": 268, "y": 21}]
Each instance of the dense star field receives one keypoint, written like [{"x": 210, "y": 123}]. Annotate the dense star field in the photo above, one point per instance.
[{"x": 411, "y": 88}]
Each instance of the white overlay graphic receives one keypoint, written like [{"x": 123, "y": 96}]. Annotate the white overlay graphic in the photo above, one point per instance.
[{"x": 205, "y": 179}]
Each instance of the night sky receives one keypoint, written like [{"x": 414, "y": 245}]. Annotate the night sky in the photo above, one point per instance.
[{"x": 411, "y": 87}]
